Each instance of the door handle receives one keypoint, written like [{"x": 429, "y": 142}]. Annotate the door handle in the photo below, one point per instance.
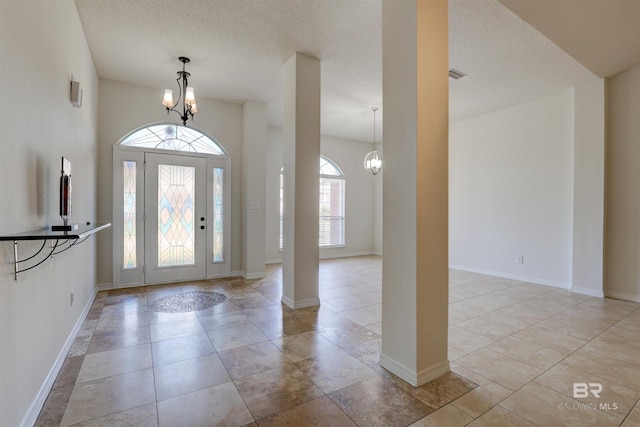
[{"x": 202, "y": 227}]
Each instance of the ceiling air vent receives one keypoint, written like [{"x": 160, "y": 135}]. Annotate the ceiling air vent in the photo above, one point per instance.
[{"x": 455, "y": 74}]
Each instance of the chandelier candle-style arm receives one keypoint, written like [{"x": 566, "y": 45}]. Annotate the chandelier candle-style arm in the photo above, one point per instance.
[{"x": 189, "y": 108}]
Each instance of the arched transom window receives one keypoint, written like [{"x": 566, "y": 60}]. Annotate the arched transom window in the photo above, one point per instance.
[{"x": 169, "y": 136}]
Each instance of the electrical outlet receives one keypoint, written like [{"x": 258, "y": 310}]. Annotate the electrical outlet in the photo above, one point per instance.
[
  {"x": 71, "y": 297},
  {"x": 520, "y": 259}
]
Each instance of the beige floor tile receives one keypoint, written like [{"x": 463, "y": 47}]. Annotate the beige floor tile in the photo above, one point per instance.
[
  {"x": 335, "y": 370},
  {"x": 528, "y": 352},
  {"x": 455, "y": 353},
  {"x": 269, "y": 312},
  {"x": 176, "y": 349},
  {"x": 276, "y": 390},
  {"x": 504, "y": 370},
  {"x": 623, "y": 335},
  {"x": 347, "y": 334},
  {"x": 633, "y": 419},
  {"x": 252, "y": 359},
  {"x": 361, "y": 316},
  {"x": 189, "y": 375},
  {"x": 449, "y": 416},
  {"x": 181, "y": 328},
  {"x": 115, "y": 362},
  {"x": 224, "y": 320},
  {"x": 236, "y": 336},
  {"x": 103, "y": 341},
  {"x": 142, "y": 416},
  {"x": 375, "y": 328},
  {"x": 631, "y": 322},
  {"x": 614, "y": 399},
  {"x": 214, "y": 406},
  {"x": 500, "y": 417},
  {"x": 549, "y": 338},
  {"x": 283, "y": 327},
  {"x": 487, "y": 326},
  {"x": 605, "y": 367},
  {"x": 379, "y": 402},
  {"x": 108, "y": 396},
  {"x": 543, "y": 406},
  {"x": 503, "y": 334},
  {"x": 304, "y": 346},
  {"x": 622, "y": 351},
  {"x": 481, "y": 399},
  {"x": 466, "y": 340},
  {"x": 320, "y": 412}
]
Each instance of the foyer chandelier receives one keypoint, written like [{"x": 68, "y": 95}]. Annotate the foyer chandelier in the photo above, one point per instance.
[
  {"x": 186, "y": 92},
  {"x": 373, "y": 160}
]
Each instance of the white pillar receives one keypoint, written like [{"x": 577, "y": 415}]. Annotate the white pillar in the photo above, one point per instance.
[
  {"x": 254, "y": 149},
  {"x": 301, "y": 147},
  {"x": 415, "y": 189},
  {"x": 588, "y": 189}
]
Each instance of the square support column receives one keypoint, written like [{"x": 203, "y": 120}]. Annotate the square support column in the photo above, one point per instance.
[
  {"x": 254, "y": 151},
  {"x": 415, "y": 271},
  {"x": 301, "y": 148}
]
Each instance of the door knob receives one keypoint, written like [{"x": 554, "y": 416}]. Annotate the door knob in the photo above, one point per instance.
[
  {"x": 201, "y": 218},
  {"x": 202, "y": 227}
]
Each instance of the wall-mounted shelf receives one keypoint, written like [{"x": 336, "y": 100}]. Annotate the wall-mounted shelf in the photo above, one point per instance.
[{"x": 60, "y": 242}]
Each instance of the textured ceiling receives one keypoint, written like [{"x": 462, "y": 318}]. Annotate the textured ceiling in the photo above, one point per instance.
[
  {"x": 603, "y": 35},
  {"x": 238, "y": 47}
]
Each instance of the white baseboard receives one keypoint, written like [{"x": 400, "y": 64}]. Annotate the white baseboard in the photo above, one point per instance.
[
  {"x": 31, "y": 416},
  {"x": 622, "y": 296},
  {"x": 587, "y": 291},
  {"x": 104, "y": 286},
  {"x": 416, "y": 379},
  {"x": 294, "y": 305},
  {"x": 249, "y": 276},
  {"x": 330, "y": 256},
  {"x": 518, "y": 277}
]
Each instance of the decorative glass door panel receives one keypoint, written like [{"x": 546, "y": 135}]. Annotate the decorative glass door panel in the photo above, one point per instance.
[
  {"x": 176, "y": 219},
  {"x": 176, "y": 210}
]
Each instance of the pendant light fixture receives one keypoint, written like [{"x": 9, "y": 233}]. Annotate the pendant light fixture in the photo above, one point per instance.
[
  {"x": 373, "y": 160},
  {"x": 186, "y": 92}
]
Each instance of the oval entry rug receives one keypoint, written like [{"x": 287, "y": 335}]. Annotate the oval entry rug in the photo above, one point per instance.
[{"x": 186, "y": 301}]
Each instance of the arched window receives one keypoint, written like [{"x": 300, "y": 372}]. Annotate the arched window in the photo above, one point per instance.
[
  {"x": 331, "y": 193},
  {"x": 169, "y": 136}
]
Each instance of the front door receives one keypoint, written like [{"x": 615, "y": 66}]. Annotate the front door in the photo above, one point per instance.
[{"x": 175, "y": 218}]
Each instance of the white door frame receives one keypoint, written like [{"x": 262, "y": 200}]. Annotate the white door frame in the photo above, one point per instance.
[{"x": 135, "y": 276}]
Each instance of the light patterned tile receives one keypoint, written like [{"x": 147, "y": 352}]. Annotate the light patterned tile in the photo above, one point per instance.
[
  {"x": 613, "y": 398},
  {"x": 189, "y": 375},
  {"x": 543, "y": 406},
  {"x": 449, "y": 416},
  {"x": 320, "y": 412},
  {"x": 527, "y": 352},
  {"x": 500, "y": 368},
  {"x": 215, "y": 406},
  {"x": 500, "y": 417}
]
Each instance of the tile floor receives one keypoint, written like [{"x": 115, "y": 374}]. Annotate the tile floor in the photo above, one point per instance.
[{"x": 516, "y": 350}]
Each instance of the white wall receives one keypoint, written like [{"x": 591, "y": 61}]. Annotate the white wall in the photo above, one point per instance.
[
  {"x": 222, "y": 120},
  {"x": 42, "y": 44},
  {"x": 588, "y": 189},
  {"x": 511, "y": 191},
  {"x": 622, "y": 214},
  {"x": 359, "y": 198}
]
